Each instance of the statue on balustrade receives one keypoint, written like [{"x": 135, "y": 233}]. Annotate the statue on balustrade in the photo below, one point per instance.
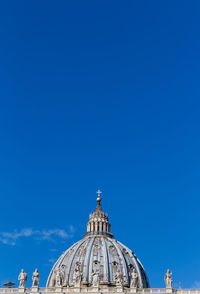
[
  {"x": 95, "y": 278},
  {"x": 118, "y": 278},
  {"x": 77, "y": 274},
  {"x": 134, "y": 279},
  {"x": 35, "y": 278},
  {"x": 22, "y": 279},
  {"x": 95, "y": 273},
  {"x": 58, "y": 278},
  {"x": 168, "y": 279}
]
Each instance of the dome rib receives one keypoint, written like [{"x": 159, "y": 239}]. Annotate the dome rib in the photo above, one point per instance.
[
  {"x": 72, "y": 259},
  {"x": 106, "y": 262},
  {"x": 133, "y": 260},
  {"x": 89, "y": 267},
  {"x": 85, "y": 261},
  {"x": 136, "y": 261},
  {"x": 124, "y": 267}
]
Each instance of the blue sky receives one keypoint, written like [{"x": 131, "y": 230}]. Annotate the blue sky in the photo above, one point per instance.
[{"x": 100, "y": 94}]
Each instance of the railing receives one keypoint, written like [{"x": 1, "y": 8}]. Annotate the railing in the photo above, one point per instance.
[
  {"x": 188, "y": 291},
  {"x": 100, "y": 290}
]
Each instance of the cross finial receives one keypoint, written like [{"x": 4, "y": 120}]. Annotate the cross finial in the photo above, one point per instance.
[
  {"x": 98, "y": 196},
  {"x": 99, "y": 193}
]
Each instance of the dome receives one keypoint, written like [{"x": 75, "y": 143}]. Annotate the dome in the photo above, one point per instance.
[{"x": 98, "y": 252}]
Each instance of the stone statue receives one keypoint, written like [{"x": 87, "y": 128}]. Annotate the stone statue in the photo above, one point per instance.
[
  {"x": 22, "y": 279},
  {"x": 134, "y": 279},
  {"x": 35, "y": 278},
  {"x": 95, "y": 273},
  {"x": 125, "y": 280},
  {"x": 118, "y": 278},
  {"x": 77, "y": 274},
  {"x": 168, "y": 279},
  {"x": 95, "y": 277},
  {"x": 95, "y": 280},
  {"x": 64, "y": 275},
  {"x": 58, "y": 278}
]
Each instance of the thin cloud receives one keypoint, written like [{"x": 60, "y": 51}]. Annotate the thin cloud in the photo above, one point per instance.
[
  {"x": 50, "y": 234},
  {"x": 10, "y": 238},
  {"x": 72, "y": 229},
  {"x": 52, "y": 260},
  {"x": 196, "y": 285}
]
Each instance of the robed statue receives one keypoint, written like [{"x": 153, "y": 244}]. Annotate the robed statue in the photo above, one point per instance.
[
  {"x": 22, "y": 279},
  {"x": 77, "y": 274},
  {"x": 95, "y": 273},
  {"x": 35, "y": 278},
  {"x": 134, "y": 279},
  {"x": 95, "y": 278},
  {"x": 168, "y": 279},
  {"x": 58, "y": 278},
  {"x": 118, "y": 278}
]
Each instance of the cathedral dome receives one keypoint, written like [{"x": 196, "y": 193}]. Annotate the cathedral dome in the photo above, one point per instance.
[{"x": 98, "y": 252}]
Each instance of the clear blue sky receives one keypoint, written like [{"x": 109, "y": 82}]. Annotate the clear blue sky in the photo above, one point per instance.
[{"x": 100, "y": 94}]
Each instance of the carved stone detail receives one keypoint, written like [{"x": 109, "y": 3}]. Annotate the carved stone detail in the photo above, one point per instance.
[
  {"x": 35, "y": 278},
  {"x": 168, "y": 279},
  {"x": 22, "y": 279},
  {"x": 134, "y": 279},
  {"x": 77, "y": 275},
  {"x": 59, "y": 278}
]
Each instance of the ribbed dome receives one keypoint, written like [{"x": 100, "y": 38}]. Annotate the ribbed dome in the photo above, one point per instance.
[{"x": 98, "y": 252}]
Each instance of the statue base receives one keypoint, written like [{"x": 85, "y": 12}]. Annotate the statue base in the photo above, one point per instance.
[
  {"x": 21, "y": 289},
  {"x": 133, "y": 290},
  {"x": 169, "y": 290},
  {"x": 95, "y": 288},
  {"x": 65, "y": 284},
  {"x": 119, "y": 289},
  {"x": 59, "y": 289},
  {"x": 35, "y": 289},
  {"x": 105, "y": 287},
  {"x": 77, "y": 288}
]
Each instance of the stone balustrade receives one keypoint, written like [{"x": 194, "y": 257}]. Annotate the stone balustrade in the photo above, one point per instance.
[{"x": 98, "y": 290}]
